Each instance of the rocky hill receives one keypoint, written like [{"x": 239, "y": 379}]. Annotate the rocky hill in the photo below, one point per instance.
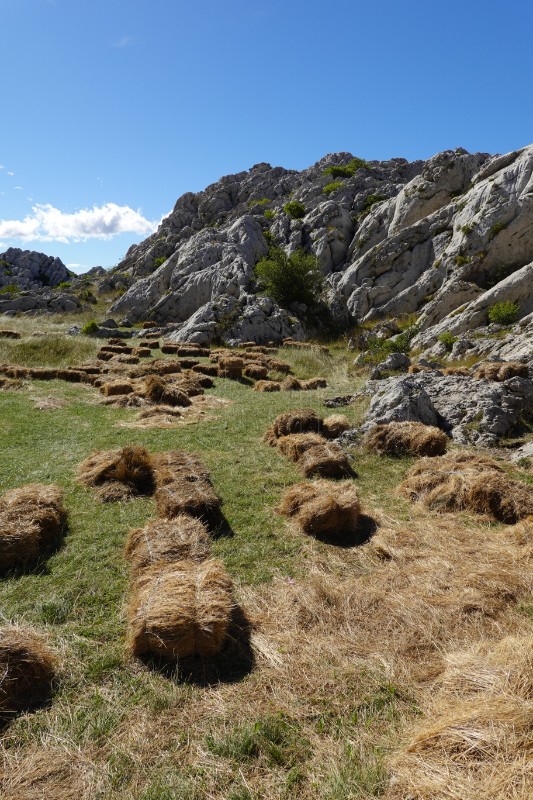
[{"x": 444, "y": 240}]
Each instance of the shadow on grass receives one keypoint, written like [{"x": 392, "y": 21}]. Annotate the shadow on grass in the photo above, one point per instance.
[
  {"x": 38, "y": 565},
  {"x": 231, "y": 665},
  {"x": 366, "y": 528}
]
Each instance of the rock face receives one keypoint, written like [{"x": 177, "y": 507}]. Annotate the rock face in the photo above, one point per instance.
[
  {"x": 470, "y": 411},
  {"x": 27, "y": 269},
  {"x": 444, "y": 239}
]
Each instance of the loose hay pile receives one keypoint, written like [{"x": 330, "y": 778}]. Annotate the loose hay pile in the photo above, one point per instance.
[
  {"x": 157, "y": 390},
  {"x": 163, "y": 541},
  {"x": 194, "y": 497},
  {"x": 406, "y": 438},
  {"x": 118, "y": 474},
  {"x": 465, "y": 482},
  {"x": 501, "y": 370},
  {"x": 322, "y": 508},
  {"x": 27, "y": 669},
  {"x": 32, "y": 520},
  {"x": 326, "y": 460},
  {"x": 181, "y": 610},
  {"x": 334, "y": 425}
]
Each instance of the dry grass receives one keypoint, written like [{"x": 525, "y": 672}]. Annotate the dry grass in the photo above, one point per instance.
[
  {"x": 157, "y": 390},
  {"x": 194, "y": 497},
  {"x": 176, "y": 464},
  {"x": 128, "y": 471},
  {"x": 163, "y": 541},
  {"x": 406, "y": 438},
  {"x": 459, "y": 482},
  {"x": 501, "y": 370},
  {"x": 303, "y": 420},
  {"x": 476, "y": 740},
  {"x": 325, "y": 460},
  {"x": 180, "y": 611},
  {"x": 323, "y": 508},
  {"x": 334, "y": 425},
  {"x": 32, "y": 520},
  {"x": 27, "y": 669}
]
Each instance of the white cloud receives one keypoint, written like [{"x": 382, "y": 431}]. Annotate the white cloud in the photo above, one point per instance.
[
  {"x": 2, "y": 166},
  {"x": 49, "y": 224},
  {"x": 18, "y": 187},
  {"x": 79, "y": 269},
  {"x": 11, "y": 173}
]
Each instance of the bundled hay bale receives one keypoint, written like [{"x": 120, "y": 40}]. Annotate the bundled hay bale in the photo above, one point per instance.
[
  {"x": 149, "y": 324},
  {"x": 162, "y": 366},
  {"x": 193, "y": 350},
  {"x": 119, "y": 474},
  {"x": 460, "y": 482},
  {"x": 102, "y": 355},
  {"x": 322, "y": 508},
  {"x": 164, "y": 541},
  {"x": 501, "y": 370},
  {"x": 314, "y": 383},
  {"x": 267, "y": 386},
  {"x": 295, "y": 444},
  {"x": 42, "y": 374},
  {"x": 334, "y": 425},
  {"x": 291, "y": 384},
  {"x": 6, "y": 334},
  {"x": 169, "y": 348},
  {"x": 303, "y": 420},
  {"x": 27, "y": 670},
  {"x": 181, "y": 611},
  {"x": 275, "y": 365},
  {"x": 157, "y": 390},
  {"x": 117, "y": 349},
  {"x": 461, "y": 371},
  {"x": 142, "y": 352},
  {"x": 124, "y": 359},
  {"x": 406, "y": 438},
  {"x": 32, "y": 519},
  {"x": 175, "y": 464},
  {"x": 188, "y": 363},
  {"x": 151, "y": 344},
  {"x": 206, "y": 369},
  {"x": 194, "y": 497},
  {"x": 256, "y": 372},
  {"x": 325, "y": 460},
  {"x": 9, "y": 384},
  {"x": 112, "y": 388},
  {"x": 230, "y": 367},
  {"x": 414, "y": 369},
  {"x": 198, "y": 379}
]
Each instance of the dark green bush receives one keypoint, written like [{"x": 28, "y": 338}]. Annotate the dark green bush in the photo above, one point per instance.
[
  {"x": 158, "y": 261},
  {"x": 11, "y": 288},
  {"x": 288, "y": 279},
  {"x": 346, "y": 170},
  {"x": 294, "y": 209},
  {"x": 503, "y": 313},
  {"x": 90, "y": 327},
  {"x": 370, "y": 201},
  {"x": 332, "y": 187},
  {"x": 447, "y": 339}
]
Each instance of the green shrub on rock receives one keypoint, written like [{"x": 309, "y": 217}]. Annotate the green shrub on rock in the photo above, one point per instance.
[
  {"x": 503, "y": 313},
  {"x": 289, "y": 279},
  {"x": 294, "y": 209}
]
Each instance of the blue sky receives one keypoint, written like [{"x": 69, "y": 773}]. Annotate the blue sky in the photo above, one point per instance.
[{"x": 111, "y": 109}]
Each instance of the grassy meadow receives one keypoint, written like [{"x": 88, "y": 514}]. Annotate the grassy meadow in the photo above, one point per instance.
[{"x": 345, "y": 645}]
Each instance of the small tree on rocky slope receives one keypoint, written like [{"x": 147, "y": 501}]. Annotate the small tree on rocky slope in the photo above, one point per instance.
[{"x": 290, "y": 279}]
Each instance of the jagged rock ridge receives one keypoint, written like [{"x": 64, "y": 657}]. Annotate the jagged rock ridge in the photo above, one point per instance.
[{"x": 444, "y": 239}]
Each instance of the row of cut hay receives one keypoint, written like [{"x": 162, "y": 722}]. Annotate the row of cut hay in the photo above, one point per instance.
[
  {"x": 32, "y": 521},
  {"x": 501, "y": 370},
  {"x": 185, "y": 351},
  {"x": 305, "y": 420},
  {"x": 181, "y": 600},
  {"x": 44, "y": 373},
  {"x": 475, "y": 738},
  {"x": 406, "y": 438},
  {"x": 150, "y": 344},
  {"x": 305, "y": 345},
  {"x": 113, "y": 347},
  {"x": 8, "y": 334},
  {"x": 463, "y": 481},
  {"x": 251, "y": 357},
  {"x": 27, "y": 670}
]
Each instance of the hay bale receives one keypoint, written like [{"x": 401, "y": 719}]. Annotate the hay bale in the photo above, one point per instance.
[
  {"x": 294, "y": 445},
  {"x": 406, "y": 438},
  {"x": 169, "y": 348},
  {"x": 188, "y": 363},
  {"x": 128, "y": 471},
  {"x": 142, "y": 352},
  {"x": 230, "y": 367},
  {"x": 102, "y": 355},
  {"x": 193, "y": 350},
  {"x": 194, "y": 497},
  {"x": 334, "y": 425},
  {"x": 10, "y": 384},
  {"x": 180, "y": 611},
  {"x": 206, "y": 369},
  {"x": 149, "y": 324},
  {"x": 267, "y": 386},
  {"x": 198, "y": 379},
  {"x": 42, "y": 374},
  {"x": 256, "y": 372},
  {"x": 173, "y": 464},
  {"x": 465, "y": 482},
  {"x": 461, "y": 371},
  {"x": 151, "y": 344},
  {"x": 314, "y": 383},
  {"x": 325, "y": 460},
  {"x": 32, "y": 519},
  {"x": 501, "y": 370},
  {"x": 125, "y": 359},
  {"x": 27, "y": 670},
  {"x": 163, "y": 366},
  {"x": 291, "y": 384},
  {"x": 323, "y": 508},
  {"x": 157, "y": 390},
  {"x": 117, "y": 349},
  {"x": 7, "y": 334},
  {"x": 164, "y": 541},
  {"x": 303, "y": 420},
  {"x": 275, "y": 365},
  {"x": 112, "y": 388}
]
